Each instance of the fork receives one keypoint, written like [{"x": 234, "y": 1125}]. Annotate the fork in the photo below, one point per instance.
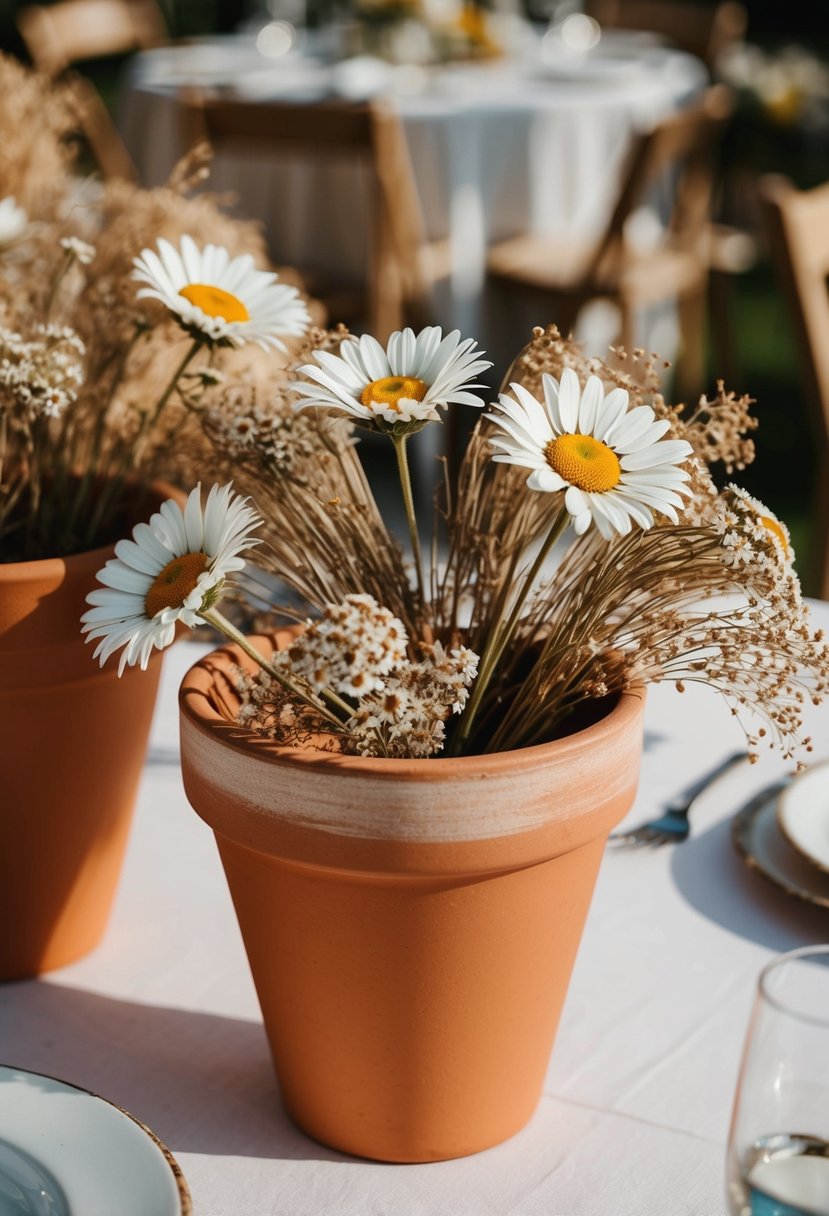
[{"x": 673, "y": 826}]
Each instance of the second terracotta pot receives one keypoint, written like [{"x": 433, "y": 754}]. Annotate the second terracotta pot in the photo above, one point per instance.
[
  {"x": 411, "y": 926},
  {"x": 72, "y": 742}
]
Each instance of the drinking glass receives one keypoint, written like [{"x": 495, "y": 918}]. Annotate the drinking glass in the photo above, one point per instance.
[{"x": 778, "y": 1150}]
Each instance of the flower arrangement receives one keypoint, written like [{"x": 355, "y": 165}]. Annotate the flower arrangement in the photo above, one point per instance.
[
  {"x": 790, "y": 85},
  {"x": 418, "y": 32},
  {"x": 582, "y": 547},
  {"x": 115, "y": 306}
]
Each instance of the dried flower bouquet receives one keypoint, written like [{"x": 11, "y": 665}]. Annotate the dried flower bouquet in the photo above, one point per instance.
[
  {"x": 97, "y": 375},
  {"x": 582, "y": 547}
]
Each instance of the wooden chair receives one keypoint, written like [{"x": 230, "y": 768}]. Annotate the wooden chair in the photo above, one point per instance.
[
  {"x": 797, "y": 224},
  {"x": 72, "y": 31},
  {"x": 401, "y": 265},
  {"x": 704, "y": 30},
  {"x": 69, "y": 31},
  {"x": 564, "y": 275}
]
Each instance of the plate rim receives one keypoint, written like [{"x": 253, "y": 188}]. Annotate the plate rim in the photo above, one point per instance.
[
  {"x": 795, "y": 780},
  {"x": 185, "y": 1198},
  {"x": 743, "y": 819}
]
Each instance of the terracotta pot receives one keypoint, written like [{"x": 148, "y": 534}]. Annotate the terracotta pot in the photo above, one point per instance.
[
  {"x": 72, "y": 745},
  {"x": 411, "y": 926}
]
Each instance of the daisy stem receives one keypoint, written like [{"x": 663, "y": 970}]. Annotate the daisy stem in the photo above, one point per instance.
[
  {"x": 399, "y": 442},
  {"x": 220, "y": 622},
  {"x": 500, "y": 638},
  {"x": 149, "y": 420},
  {"x": 56, "y": 282}
]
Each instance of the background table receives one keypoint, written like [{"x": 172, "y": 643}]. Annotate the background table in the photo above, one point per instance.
[
  {"x": 163, "y": 1020},
  {"x": 497, "y": 150}
]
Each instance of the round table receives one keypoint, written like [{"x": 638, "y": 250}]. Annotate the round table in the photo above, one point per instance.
[{"x": 497, "y": 149}]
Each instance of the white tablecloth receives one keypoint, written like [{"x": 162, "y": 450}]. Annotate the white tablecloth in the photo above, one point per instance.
[
  {"x": 497, "y": 150},
  {"x": 163, "y": 1020}
]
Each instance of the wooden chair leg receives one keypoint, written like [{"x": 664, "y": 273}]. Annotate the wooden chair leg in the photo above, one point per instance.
[
  {"x": 690, "y": 371},
  {"x": 819, "y": 563},
  {"x": 627, "y": 324},
  {"x": 721, "y": 296}
]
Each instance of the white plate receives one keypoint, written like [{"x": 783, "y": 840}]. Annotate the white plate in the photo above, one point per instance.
[
  {"x": 66, "y": 1152},
  {"x": 609, "y": 60},
  {"x": 764, "y": 848},
  {"x": 803, "y": 814}
]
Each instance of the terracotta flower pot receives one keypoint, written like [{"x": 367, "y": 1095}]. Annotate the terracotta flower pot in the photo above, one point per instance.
[
  {"x": 411, "y": 926},
  {"x": 71, "y": 749}
]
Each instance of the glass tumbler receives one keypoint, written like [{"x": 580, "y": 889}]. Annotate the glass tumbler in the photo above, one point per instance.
[{"x": 778, "y": 1150}]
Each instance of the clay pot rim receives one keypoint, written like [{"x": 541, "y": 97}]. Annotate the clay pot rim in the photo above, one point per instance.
[
  {"x": 195, "y": 706},
  {"x": 53, "y": 567}
]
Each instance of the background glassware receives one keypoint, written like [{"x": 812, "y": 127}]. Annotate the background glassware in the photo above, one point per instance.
[{"x": 778, "y": 1151}]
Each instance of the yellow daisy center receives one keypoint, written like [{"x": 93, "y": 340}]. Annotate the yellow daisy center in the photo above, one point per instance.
[
  {"x": 391, "y": 389},
  {"x": 774, "y": 527},
  {"x": 215, "y": 302},
  {"x": 174, "y": 583},
  {"x": 584, "y": 462}
]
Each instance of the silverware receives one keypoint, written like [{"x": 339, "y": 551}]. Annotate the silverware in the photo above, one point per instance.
[{"x": 673, "y": 826}]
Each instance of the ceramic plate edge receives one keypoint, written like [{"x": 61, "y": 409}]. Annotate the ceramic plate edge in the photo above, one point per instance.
[
  {"x": 185, "y": 1199},
  {"x": 810, "y": 857},
  {"x": 740, "y": 821}
]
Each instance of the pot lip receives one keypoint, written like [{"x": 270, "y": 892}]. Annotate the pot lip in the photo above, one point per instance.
[
  {"x": 42, "y": 568},
  {"x": 195, "y": 707}
]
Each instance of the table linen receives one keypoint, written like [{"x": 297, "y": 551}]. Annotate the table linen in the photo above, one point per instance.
[{"x": 163, "y": 1020}]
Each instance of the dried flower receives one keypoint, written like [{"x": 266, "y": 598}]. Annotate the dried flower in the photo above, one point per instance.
[
  {"x": 350, "y": 648},
  {"x": 80, "y": 250},
  {"x": 39, "y": 378},
  {"x": 96, "y": 390}
]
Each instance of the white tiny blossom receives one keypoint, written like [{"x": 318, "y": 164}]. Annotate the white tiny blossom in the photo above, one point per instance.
[
  {"x": 351, "y": 647},
  {"x": 407, "y": 717},
  {"x": 80, "y": 250},
  {"x": 40, "y": 377},
  {"x": 13, "y": 221}
]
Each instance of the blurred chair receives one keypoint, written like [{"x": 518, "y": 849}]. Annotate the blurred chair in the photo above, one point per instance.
[
  {"x": 797, "y": 224},
  {"x": 731, "y": 252},
  {"x": 61, "y": 34},
  {"x": 401, "y": 265},
  {"x": 72, "y": 31},
  {"x": 704, "y": 30},
  {"x": 680, "y": 153}
]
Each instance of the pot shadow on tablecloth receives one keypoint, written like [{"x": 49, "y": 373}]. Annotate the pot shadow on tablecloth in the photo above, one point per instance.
[
  {"x": 712, "y": 877},
  {"x": 203, "y": 1083}
]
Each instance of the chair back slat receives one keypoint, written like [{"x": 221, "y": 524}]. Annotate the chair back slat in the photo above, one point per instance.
[
  {"x": 684, "y": 146},
  {"x": 797, "y": 223},
  {"x": 60, "y": 34},
  {"x": 704, "y": 30},
  {"x": 367, "y": 134}
]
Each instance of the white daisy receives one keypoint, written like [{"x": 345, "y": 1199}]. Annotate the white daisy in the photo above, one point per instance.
[
  {"x": 219, "y": 299},
  {"x": 13, "y": 221},
  {"x": 398, "y": 389},
  {"x": 612, "y": 463},
  {"x": 170, "y": 571}
]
